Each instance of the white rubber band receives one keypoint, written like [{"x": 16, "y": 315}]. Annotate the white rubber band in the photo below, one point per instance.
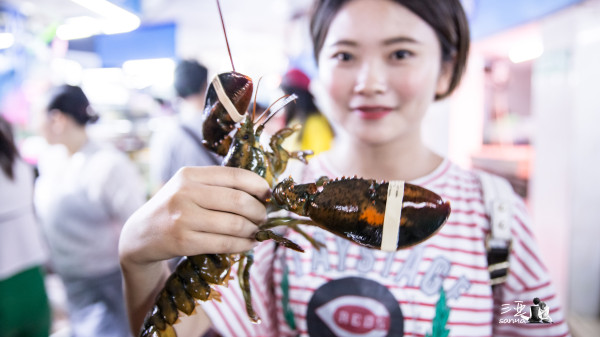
[
  {"x": 393, "y": 213},
  {"x": 224, "y": 99}
]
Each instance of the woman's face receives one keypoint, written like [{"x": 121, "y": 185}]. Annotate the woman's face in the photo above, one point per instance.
[
  {"x": 52, "y": 126},
  {"x": 381, "y": 66}
]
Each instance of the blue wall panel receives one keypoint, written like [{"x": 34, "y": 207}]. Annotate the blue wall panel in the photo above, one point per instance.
[
  {"x": 488, "y": 17},
  {"x": 133, "y": 6},
  {"x": 146, "y": 42}
]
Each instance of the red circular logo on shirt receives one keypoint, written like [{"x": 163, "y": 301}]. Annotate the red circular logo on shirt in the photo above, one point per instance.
[{"x": 354, "y": 307}]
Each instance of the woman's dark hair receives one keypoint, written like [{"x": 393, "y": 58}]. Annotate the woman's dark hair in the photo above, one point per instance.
[
  {"x": 71, "y": 100},
  {"x": 8, "y": 149},
  {"x": 446, "y": 17},
  {"x": 190, "y": 78}
]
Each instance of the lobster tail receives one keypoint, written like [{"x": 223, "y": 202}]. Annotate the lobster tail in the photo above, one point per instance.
[
  {"x": 227, "y": 100},
  {"x": 191, "y": 281}
]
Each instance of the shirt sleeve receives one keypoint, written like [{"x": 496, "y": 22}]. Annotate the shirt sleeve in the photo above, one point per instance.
[
  {"x": 229, "y": 317},
  {"x": 527, "y": 279}
]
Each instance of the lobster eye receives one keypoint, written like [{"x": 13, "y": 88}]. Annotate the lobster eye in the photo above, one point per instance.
[{"x": 245, "y": 137}]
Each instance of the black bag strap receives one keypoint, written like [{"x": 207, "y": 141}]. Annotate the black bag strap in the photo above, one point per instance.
[{"x": 497, "y": 196}]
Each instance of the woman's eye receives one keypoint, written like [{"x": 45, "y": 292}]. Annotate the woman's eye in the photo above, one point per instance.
[
  {"x": 401, "y": 54},
  {"x": 342, "y": 56}
]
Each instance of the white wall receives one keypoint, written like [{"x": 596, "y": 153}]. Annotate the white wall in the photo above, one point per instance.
[
  {"x": 565, "y": 185},
  {"x": 550, "y": 198},
  {"x": 564, "y": 189},
  {"x": 569, "y": 145}
]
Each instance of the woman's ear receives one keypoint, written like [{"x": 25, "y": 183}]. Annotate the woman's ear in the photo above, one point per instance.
[{"x": 445, "y": 78}]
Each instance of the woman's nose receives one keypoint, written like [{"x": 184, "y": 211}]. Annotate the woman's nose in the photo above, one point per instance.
[{"x": 371, "y": 79}]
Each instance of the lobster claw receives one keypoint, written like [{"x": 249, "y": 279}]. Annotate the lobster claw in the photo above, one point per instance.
[
  {"x": 355, "y": 209},
  {"x": 227, "y": 100},
  {"x": 423, "y": 214}
]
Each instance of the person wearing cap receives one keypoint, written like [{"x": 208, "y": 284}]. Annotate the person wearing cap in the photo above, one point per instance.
[
  {"x": 316, "y": 133},
  {"x": 85, "y": 192}
]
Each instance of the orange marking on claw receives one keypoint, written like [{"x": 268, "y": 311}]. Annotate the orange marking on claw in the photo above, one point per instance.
[{"x": 372, "y": 216}]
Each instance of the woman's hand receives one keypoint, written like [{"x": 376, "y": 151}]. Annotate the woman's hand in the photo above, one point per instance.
[{"x": 201, "y": 210}]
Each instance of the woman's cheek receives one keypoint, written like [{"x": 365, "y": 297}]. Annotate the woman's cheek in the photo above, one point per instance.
[
  {"x": 334, "y": 87},
  {"x": 415, "y": 84},
  {"x": 327, "y": 75}
]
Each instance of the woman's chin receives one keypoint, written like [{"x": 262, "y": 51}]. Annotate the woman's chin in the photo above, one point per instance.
[{"x": 375, "y": 134}]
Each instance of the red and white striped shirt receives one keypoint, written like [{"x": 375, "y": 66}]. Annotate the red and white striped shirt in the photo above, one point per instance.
[{"x": 349, "y": 290}]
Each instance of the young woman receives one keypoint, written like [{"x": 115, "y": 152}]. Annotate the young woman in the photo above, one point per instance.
[
  {"x": 382, "y": 63},
  {"x": 85, "y": 193}
]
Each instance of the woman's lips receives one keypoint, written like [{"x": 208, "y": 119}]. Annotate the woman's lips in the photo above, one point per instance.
[{"x": 372, "y": 112}]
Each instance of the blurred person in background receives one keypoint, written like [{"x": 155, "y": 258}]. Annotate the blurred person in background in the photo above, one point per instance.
[
  {"x": 24, "y": 308},
  {"x": 316, "y": 133},
  {"x": 180, "y": 144},
  {"x": 85, "y": 193}
]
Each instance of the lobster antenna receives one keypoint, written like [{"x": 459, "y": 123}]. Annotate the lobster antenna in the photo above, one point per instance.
[
  {"x": 287, "y": 99},
  {"x": 269, "y": 108},
  {"x": 255, "y": 95},
  {"x": 225, "y": 33}
]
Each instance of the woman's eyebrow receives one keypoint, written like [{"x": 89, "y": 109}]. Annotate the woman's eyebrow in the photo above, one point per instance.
[
  {"x": 386, "y": 42},
  {"x": 348, "y": 43},
  {"x": 399, "y": 39}
]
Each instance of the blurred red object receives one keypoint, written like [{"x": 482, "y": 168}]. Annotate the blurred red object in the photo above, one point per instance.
[{"x": 295, "y": 78}]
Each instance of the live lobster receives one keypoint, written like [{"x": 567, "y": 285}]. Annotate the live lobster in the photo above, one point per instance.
[{"x": 352, "y": 208}]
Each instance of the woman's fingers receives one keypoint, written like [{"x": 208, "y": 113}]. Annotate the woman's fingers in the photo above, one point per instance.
[
  {"x": 203, "y": 220},
  {"x": 230, "y": 177},
  {"x": 221, "y": 199}
]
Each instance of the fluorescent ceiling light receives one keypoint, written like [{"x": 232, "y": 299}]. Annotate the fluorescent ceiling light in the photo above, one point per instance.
[
  {"x": 104, "y": 8},
  {"x": 114, "y": 20},
  {"x": 69, "y": 71},
  {"x": 149, "y": 72},
  {"x": 527, "y": 50},
  {"x": 6, "y": 40},
  {"x": 104, "y": 86},
  {"x": 78, "y": 28}
]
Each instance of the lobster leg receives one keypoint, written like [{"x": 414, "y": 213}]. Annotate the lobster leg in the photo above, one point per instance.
[
  {"x": 293, "y": 224},
  {"x": 279, "y": 156},
  {"x": 301, "y": 155},
  {"x": 263, "y": 235},
  {"x": 244, "y": 264}
]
